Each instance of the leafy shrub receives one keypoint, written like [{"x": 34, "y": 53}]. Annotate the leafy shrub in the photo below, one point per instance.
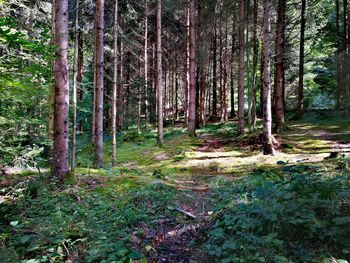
[{"x": 297, "y": 218}]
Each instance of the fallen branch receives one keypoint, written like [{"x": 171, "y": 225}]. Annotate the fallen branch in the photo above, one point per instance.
[{"x": 183, "y": 211}]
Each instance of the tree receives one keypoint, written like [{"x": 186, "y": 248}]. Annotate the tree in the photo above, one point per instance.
[
  {"x": 192, "y": 68},
  {"x": 279, "y": 67},
  {"x": 60, "y": 166},
  {"x": 252, "y": 113},
  {"x": 214, "y": 114},
  {"x": 115, "y": 85},
  {"x": 99, "y": 73},
  {"x": 241, "y": 70},
  {"x": 74, "y": 84},
  {"x": 267, "y": 116},
  {"x": 301, "y": 60},
  {"x": 146, "y": 67},
  {"x": 159, "y": 74},
  {"x": 51, "y": 97}
]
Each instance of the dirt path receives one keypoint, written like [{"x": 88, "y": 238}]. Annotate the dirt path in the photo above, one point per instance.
[{"x": 173, "y": 239}]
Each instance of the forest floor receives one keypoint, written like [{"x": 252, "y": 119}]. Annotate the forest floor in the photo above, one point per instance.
[{"x": 206, "y": 199}]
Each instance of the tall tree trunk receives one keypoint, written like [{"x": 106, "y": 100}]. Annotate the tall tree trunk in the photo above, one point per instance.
[
  {"x": 202, "y": 98},
  {"x": 159, "y": 73},
  {"x": 221, "y": 65},
  {"x": 60, "y": 166},
  {"x": 176, "y": 92},
  {"x": 241, "y": 70},
  {"x": 187, "y": 79},
  {"x": 301, "y": 60},
  {"x": 192, "y": 69},
  {"x": 279, "y": 68},
  {"x": 74, "y": 84},
  {"x": 345, "y": 72},
  {"x": 81, "y": 41},
  {"x": 267, "y": 119},
  {"x": 51, "y": 98},
  {"x": 115, "y": 86},
  {"x": 233, "y": 50},
  {"x": 214, "y": 71},
  {"x": 255, "y": 67},
  {"x": 147, "y": 121},
  {"x": 99, "y": 44},
  {"x": 338, "y": 93},
  {"x": 223, "y": 115},
  {"x": 93, "y": 111},
  {"x": 120, "y": 89}
]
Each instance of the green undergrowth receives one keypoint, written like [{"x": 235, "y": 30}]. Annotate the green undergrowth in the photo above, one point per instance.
[
  {"x": 90, "y": 221},
  {"x": 276, "y": 212},
  {"x": 298, "y": 213},
  {"x": 144, "y": 153}
]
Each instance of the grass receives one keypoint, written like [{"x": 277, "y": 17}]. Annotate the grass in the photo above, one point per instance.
[{"x": 250, "y": 207}]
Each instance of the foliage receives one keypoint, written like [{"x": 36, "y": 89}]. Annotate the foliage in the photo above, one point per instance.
[
  {"x": 299, "y": 215},
  {"x": 24, "y": 63},
  {"x": 87, "y": 225}
]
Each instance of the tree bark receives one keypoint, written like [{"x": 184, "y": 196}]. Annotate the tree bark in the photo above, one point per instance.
[
  {"x": 120, "y": 89},
  {"x": 159, "y": 74},
  {"x": 115, "y": 86},
  {"x": 60, "y": 166},
  {"x": 255, "y": 67},
  {"x": 51, "y": 98},
  {"x": 81, "y": 40},
  {"x": 233, "y": 50},
  {"x": 147, "y": 121},
  {"x": 301, "y": 60},
  {"x": 241, "y": 70},
  {"x": 99, "y": 69},
  {"x": 338, "y": 93},
  {"x": 214, "y": 115},
  {"x": 74, "y": 84},
  {"x": 267, "y": 119},
  {"x": 192, "y": 68},
  {"x": 279, "y": 67}
]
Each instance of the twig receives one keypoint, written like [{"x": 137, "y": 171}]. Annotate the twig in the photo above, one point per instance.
[{"x": 185, "y": 212}]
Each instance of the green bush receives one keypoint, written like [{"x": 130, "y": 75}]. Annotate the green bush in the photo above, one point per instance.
[{"x": 300, "y": 218}]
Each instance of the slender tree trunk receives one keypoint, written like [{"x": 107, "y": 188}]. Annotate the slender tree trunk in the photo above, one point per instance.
[
  {"x": 93, "y": 111},
  {"x": 176, "y": 92},
  {"x": 202, "y": 98},
  {"x": 159, "y": 73},
  {"x": 232, "y": 85},
  {"x": 215, "y": 70},
  {"x": 261, "y": 84},
  {"x": 192, "y": 69},
  {"x": 187, "y": 81},
  {"x": 241, "y": 70},
  {"x": 81, "y": 37},
  {"x": 255, "y": 67},
  {"x": 51, "y": 98},
  {"x": 338, "y": 93},
  {"x": 224, "y": 54},
  {"x": 74, "y": 84},
  {"x": 345, "y": 72},
  {"x": 115, "y": 86},
  {"x": 60, "y": 166},
  {"x": 279, "y": 68},
  {"x": 147, "y": 121},
  {"x": 267, "y": 138},
  {"x": 139, "y": 99},
  {"x": 221, "y": 66},
  {"x": 120, "y": 89},
  {"x": 99, "y": 68},
  {"x": 301, "y": 60}
]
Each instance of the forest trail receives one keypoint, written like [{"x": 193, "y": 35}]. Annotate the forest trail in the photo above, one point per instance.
[{"x": 231, "y": 158}]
